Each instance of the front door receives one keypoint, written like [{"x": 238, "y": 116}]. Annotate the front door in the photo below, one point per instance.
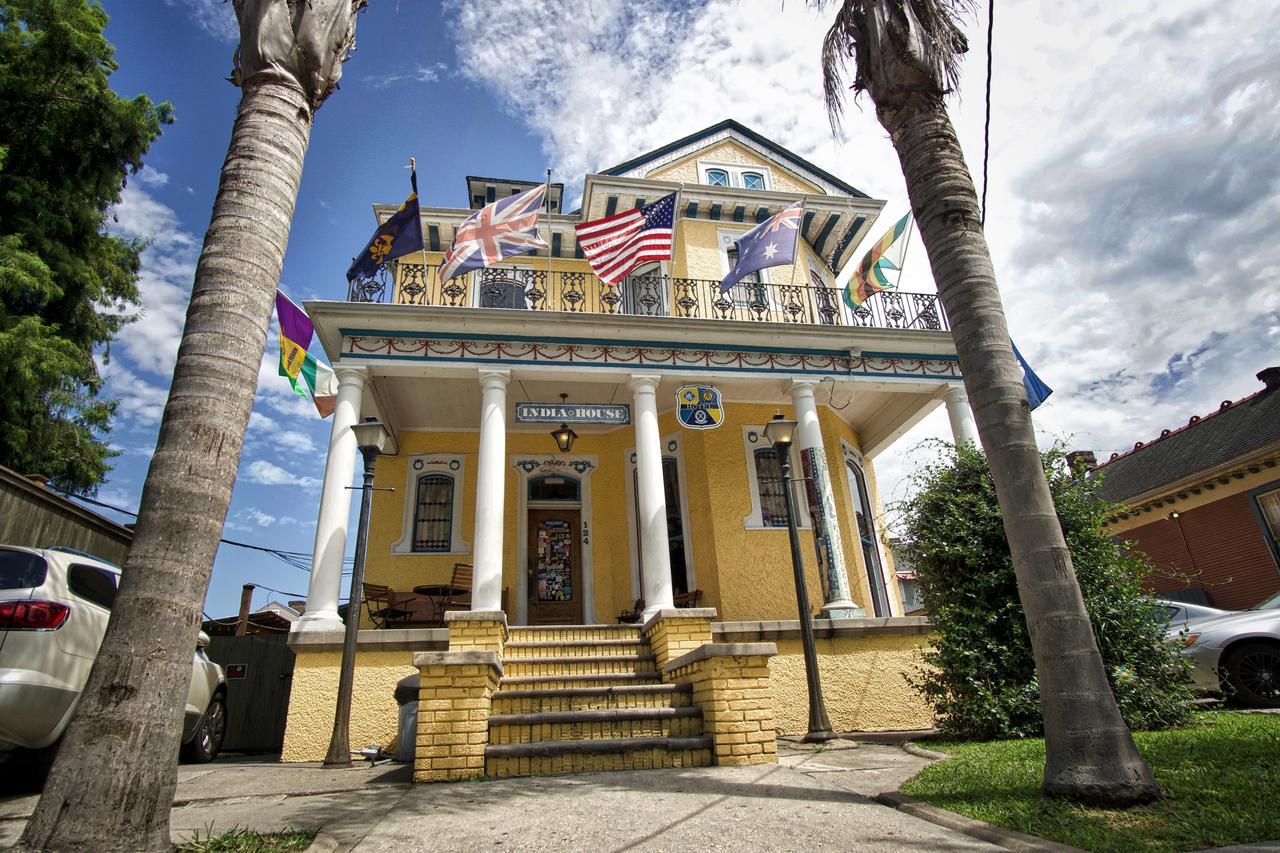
[{"x": 555, "y": 567}]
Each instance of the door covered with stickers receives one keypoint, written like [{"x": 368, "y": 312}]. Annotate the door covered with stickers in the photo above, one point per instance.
[{"x": 555, "y": 567}]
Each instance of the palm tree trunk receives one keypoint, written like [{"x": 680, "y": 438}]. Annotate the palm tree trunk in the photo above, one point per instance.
[
  {"x": 113, "y": 782},
  {"x": 1090, "y": 753}
]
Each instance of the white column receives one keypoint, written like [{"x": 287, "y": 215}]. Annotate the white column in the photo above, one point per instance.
[
  {"x": 826, "y": 524},
  {"x": 651, "y": 497},
  {"x": 335, "y": 507},
  {"x": 491, "y": 483},
  {"x": 962, "y": 428}
]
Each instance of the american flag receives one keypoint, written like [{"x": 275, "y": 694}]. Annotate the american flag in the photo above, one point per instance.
[
  {"x": 617, "y": 244},
  {"x": 503, "y": 229}
]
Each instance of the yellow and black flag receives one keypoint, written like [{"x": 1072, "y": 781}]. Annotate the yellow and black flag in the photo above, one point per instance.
[{"x": 399, "y": 235}]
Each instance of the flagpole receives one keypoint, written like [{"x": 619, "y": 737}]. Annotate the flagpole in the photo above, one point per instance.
[
  {"x": 413, "y": 176},
  {"x": 546, "y": 200}
]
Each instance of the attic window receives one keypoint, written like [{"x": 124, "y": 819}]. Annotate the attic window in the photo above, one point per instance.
[
  {"x": 752, "y": 181},
  {"x": 717, "y": 178}
]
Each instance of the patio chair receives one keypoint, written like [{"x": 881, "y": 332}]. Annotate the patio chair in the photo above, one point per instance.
[
  {"x": 632, "y": 616},
  {"x": 458, "y": 595},
  {"x": 386, "y": 606}
]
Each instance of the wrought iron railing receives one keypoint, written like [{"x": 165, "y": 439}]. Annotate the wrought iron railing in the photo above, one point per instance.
[{"x": 533, "y": 289}]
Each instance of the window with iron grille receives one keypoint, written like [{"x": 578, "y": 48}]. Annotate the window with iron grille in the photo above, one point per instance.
[
  {"x": 773, "y": 501},
  {"x": 433, "y": 514}
]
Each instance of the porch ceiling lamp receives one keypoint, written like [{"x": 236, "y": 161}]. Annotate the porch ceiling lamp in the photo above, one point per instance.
[
  {"x": 371, "y": 438},
  {"x": 564, "y": 436},
  {"x": 781, "y": 432}
]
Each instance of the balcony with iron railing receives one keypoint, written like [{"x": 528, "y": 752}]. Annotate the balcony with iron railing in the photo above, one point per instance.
[{"x": 532, "y": 289}]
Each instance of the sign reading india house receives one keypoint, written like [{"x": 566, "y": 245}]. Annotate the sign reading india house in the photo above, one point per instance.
[{"x": 573, "y": 413}]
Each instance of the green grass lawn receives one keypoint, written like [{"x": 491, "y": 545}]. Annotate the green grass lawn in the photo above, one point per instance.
[
  {"x": 238, "y": 840},
  {"x": 1221, "y": 775}
]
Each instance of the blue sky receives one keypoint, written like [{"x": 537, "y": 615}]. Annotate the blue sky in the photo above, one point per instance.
[{"x": 1134, "y": 189}]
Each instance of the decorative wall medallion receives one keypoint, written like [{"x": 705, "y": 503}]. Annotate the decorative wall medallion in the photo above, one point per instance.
[
  {"x": 699, "y": 406},
  {"x": 417, "y": 464},
  {"x": 672, "y": 445}
]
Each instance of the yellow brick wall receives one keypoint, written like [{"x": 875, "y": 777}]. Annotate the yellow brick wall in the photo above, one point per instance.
[
  {"x": 731, "y": 153},
  {"x": 737, "y": 707},
  {"x": 313, "y": 698},
  {"x": 862, "y": 684},
  {"x": 453, "y": 721},
  {"x": 671, "y": 637}
]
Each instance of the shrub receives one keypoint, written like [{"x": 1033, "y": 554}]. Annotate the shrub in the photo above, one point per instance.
[{"x": 979, "y": 674}]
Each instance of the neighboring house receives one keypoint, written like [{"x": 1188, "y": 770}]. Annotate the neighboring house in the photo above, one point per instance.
[
  {"x": 646, "y": 506},
  {"x": 35, "y": 516},
  {"x": 1203, "y": 502},
  {"x": 908, "y": 582}
]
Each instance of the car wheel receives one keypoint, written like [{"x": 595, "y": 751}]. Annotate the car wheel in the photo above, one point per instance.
[
  {"x": 1253, "y": 674},
  {"x": 206, "y": 743}
]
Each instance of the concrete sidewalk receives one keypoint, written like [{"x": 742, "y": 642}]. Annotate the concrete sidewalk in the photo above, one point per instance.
[{"x": 814, "y": 799}]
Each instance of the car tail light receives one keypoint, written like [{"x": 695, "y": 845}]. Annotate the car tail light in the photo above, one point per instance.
[{"x": 32, "y": 615}]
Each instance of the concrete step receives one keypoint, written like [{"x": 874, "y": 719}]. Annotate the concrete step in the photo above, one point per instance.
[
  {"x": 612, "y": 679},
  {"x": 585, "y": 756},
  {"x": 519, "y": 701},
  {"x": 602, "y": 724},
  {"x": 572, "y": 633},
  {"x": 577, "y": 648},
  {"x": 578, "y": 665}
]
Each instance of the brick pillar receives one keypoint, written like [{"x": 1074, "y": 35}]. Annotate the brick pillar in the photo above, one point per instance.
[
  {"x": 731, "y": 685},
  {"x": 670, "y": 633},
  {"x": 471, "y": 630},
  {"x": 453, "y": 713}
]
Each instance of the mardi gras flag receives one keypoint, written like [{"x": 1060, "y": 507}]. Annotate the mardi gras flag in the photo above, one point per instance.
[
  {"x": 872, "y": 275},
  {"x": 295, "y": 336}
]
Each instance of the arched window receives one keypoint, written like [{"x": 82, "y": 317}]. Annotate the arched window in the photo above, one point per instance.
[
  {"x": 773, "y": 500},
  {"x": 717, "y": 177},
  {"x": 433, "y": 514},
  {"x": 867, "y": 535},
  {"x": 554, "y": 488},
  {"x": 752, "y": 181}
]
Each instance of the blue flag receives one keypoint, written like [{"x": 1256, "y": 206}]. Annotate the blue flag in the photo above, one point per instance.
[
  {"x": 772, "y": 243},
  {"x": 1037, "y": 391},
  {"x": 399, "y": 235}
]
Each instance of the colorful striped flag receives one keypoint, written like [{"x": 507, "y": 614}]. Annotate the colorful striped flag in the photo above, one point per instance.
[
  {"x": 617, "y": 244},
  {"x": 295, "y": 335},
  {"x": 871, "y": 276}
]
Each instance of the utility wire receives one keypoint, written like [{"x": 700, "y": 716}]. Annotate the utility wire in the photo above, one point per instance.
[{"x": 986, "y": 127}]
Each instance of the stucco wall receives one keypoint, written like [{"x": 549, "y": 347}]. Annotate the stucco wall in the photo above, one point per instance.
[
  {"x": 731, "y": 153},
  {"x": 374, "y": 714},
  {"x": 862, "y": 684}
]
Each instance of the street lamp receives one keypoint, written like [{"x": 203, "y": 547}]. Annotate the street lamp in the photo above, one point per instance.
[
  {"x": 371, "y": 438},
  {"x": 781, "y": 433}
]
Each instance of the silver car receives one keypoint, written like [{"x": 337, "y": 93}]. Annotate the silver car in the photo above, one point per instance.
[
  {"x": 54, "y": 607},
  {"x": 1237, "y": 654}
]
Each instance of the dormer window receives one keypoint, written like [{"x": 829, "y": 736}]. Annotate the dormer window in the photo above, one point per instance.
[
  {"x": 752, "y": 181},
  {"x": 730, "y": 176},
  {"x": 717, "y": 178}
]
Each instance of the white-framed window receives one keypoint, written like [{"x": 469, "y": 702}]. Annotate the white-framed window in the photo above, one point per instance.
[
  {"x": 752, "y": 289},
  {"x": 824, "y": 297},
  {"x": 868, "y": 537},
  {"x": 729, "y": 175},
  {"x": 768, "y": 501},
  {"x": 433, "y": 506}
]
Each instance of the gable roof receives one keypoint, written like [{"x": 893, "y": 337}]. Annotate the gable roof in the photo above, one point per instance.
[
  {"x": 743, "y": 131},
  {"x": 1203, "y": 444}
]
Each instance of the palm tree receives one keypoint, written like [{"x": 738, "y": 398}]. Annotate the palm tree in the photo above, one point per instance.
[
  {"x": 905, "y": 55},
  {"x": 112, "y": 784}
]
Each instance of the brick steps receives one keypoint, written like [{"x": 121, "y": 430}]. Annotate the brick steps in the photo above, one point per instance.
[
  {"x": 586, "y": 698},
  {"x": 518, "y": 701},
  {"x": 600, "y": 724}
]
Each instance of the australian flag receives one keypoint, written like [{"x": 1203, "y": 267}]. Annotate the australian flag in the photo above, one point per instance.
[
  {"x": 399, "y": 235},
  {"x": 772, "y": 243},
  {"x": 1037, "y": 391}
]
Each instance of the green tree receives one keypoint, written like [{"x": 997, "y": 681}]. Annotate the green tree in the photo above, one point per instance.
[
  {"x": 906, "y": 55},
  {"x": 980, "y": 674},
  {"x": 67, "y": 286}
]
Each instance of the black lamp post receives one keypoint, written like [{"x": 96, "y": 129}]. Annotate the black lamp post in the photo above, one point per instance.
[
  {"x": 781, "y": 433},
  {"x": 371, "y": 438}
]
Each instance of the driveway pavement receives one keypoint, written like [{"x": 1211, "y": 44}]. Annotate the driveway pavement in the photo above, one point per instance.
[{"x": 813, "y": 799}]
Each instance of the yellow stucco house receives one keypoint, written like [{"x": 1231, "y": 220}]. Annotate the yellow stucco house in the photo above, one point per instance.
[{"x": 472, "y": 374}]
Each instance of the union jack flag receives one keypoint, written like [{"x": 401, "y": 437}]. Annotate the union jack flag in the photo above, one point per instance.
[{"x": 503, "y": 229}]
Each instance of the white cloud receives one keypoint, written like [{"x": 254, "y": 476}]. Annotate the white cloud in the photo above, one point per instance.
[
  {"x": 151, "y": 177},
  {"x": 215, "y": 17},
  {"x": 264, "y": 473},
  {"x": 422, "y": 73},
  {"x": 1134, "y": 189}
]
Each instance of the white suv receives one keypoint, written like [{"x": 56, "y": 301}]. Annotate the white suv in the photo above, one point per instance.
[{"x": 54, "y": 606}]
